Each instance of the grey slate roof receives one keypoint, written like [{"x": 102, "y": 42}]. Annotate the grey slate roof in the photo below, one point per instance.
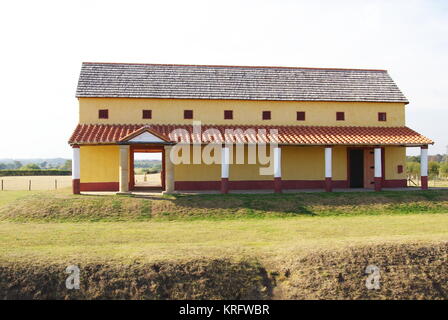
[{"x": 231, "y": 82}]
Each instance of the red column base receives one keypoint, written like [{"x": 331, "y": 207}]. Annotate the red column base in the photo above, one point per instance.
[
  {"x": 328, "y": 186},
  {"x": 424, "y": 183},
  {"x": 76, "y": 185},
  {"x": 277, "y": 185},
  {"x": 224, "y": 185},
  {"x": 378, "y": 184}
]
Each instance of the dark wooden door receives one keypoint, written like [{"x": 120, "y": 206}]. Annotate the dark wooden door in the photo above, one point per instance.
[{"x": 356, "y": 160}]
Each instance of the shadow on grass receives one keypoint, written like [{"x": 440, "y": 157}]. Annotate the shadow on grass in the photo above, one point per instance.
[
  {"x": 312, "y": 204},
  {"x": 140, "y": 207}
]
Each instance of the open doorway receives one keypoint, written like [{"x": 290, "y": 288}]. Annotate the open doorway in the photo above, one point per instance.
[
  {"x": 147, "y": 172},
  {"x": 361, "y": 168}
]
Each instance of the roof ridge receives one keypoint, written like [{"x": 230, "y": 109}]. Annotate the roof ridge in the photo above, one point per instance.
[{"x": 234, "y": 66}]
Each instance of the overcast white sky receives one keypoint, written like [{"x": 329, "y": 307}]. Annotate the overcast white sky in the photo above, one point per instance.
[{"x": 44, "y": 42}]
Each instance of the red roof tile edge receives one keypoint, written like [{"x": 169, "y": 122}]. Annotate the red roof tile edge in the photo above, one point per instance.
[{"x": 287, "y": 135}]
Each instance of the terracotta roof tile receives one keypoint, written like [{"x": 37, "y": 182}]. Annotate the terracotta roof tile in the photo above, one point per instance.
[{"x": 302, "y": 135}]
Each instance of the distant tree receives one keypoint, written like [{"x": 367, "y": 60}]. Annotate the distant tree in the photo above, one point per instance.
[
  {"x": 413, "y": 169},
  {"x": 17, "y": 164},
  {"x": 3, "y": 166},
  {"x": 413, "y": 159},
  {"x": 433, "y": 169},
  {"x": 436, "y": 158},
  {"x": 67, "y": 165},
  {"x": 30, "y": 166},
  {"x": 443, "y": 171},
  {"x": 43, "y": 165},
  {"x": 445, "y": 158}
]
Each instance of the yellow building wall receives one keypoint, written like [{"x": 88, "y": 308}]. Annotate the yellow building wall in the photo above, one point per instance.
[
  {"x": 298, "y": 163},
  {"x": 308, "y": 163},
  {"x": 99, "y": 163},
  {"x": 246, "y": 171},
  {"x": 394, "y": 156},
  {"x": 197, "y": 172},
  {"x": 249, "y": 112}
]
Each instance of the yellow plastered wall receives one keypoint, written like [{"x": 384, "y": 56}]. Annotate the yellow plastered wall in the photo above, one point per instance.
[
  {"x": 170, "y": 111},
  {"x": 197, "y": 172},
  {"x": 308, "y": 163},
  {"x": 298, "y": 163},
  {"x": 250, "y": 171},
  {"x": 212, "y": 172},
  {"x": 99, "y": 163},
  {"x": 394, "y": 156}
]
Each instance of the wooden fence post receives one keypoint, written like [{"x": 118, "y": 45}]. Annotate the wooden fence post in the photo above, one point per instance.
[
  {"x": 55, "y": 184},
  {"x": 2, "y": 184},
  {"x": 29, "y": 186}
]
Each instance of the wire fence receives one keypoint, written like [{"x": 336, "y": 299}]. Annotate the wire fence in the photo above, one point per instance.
[{"x": 34, "y": 183}]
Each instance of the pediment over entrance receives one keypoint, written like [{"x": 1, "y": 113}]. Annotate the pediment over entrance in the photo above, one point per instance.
[{"x": 144, "y": 135}]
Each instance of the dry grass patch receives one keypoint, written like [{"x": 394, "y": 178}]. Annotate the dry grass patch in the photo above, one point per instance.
[{"x": 407, "y": 271}]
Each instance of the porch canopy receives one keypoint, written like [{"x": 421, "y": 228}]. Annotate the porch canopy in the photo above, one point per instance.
[
  {"x": 325, "y": 136},
  {"x": 286, "y": 135}
]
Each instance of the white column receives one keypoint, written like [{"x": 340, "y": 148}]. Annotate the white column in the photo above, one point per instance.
[
  {"x": 76, "y": 184},
  {"x": 169, "y": 171},
  {"x": 124, "y": 168},
  {"x": 277, "y": 162},
  {"x": 225, "y": 161},
  {"x": 328, "y": 162},
  {"x": 377, "y": 164},
  {"x": 75, "y": 164},
  {"x": 424, "y": 162}
]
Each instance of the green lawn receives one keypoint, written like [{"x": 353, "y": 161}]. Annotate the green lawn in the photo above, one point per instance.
[
  {"x": 172, "y": 240},
  {"x": 10, "y": 196},
  {"x": 214, "y": 246},
  {"x": 61, "y": 206},
  {"x": 59, "y": 226}
]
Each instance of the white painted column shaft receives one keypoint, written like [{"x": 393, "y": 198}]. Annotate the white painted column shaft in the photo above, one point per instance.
[
  {"x": 277, "y": 162},
  {"x": 75, "y": 164},
  {"x": 424, "y": 162},
  {"x": 328, "y": 162},
  {"x": 225, "y": 161},
  {"x": 377, "y": 164}
]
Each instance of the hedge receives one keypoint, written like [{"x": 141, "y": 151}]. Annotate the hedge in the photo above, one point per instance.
[{"x": 37, "y": 172}]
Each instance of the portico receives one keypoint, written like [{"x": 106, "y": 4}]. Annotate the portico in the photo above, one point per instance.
[{"x": 296, "y": 161}]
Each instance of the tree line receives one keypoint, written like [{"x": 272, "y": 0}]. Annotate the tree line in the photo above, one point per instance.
[
  {"x": 437, "y": 166},
  {"x": 17, "y": 165}
]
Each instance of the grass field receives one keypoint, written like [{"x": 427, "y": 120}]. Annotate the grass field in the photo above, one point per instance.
[
  {"x": 37, "y": 182},
  {"x": 47, "y": 225},
  {"x": 183, "y": 240},
  {"x": 44, "y": 183},
  {"x": 49, "y": 228}
]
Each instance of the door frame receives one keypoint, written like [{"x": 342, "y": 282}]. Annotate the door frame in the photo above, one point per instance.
[
  {"x": 145, "y": 148},
  {"x": 383, "y": 162}
]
